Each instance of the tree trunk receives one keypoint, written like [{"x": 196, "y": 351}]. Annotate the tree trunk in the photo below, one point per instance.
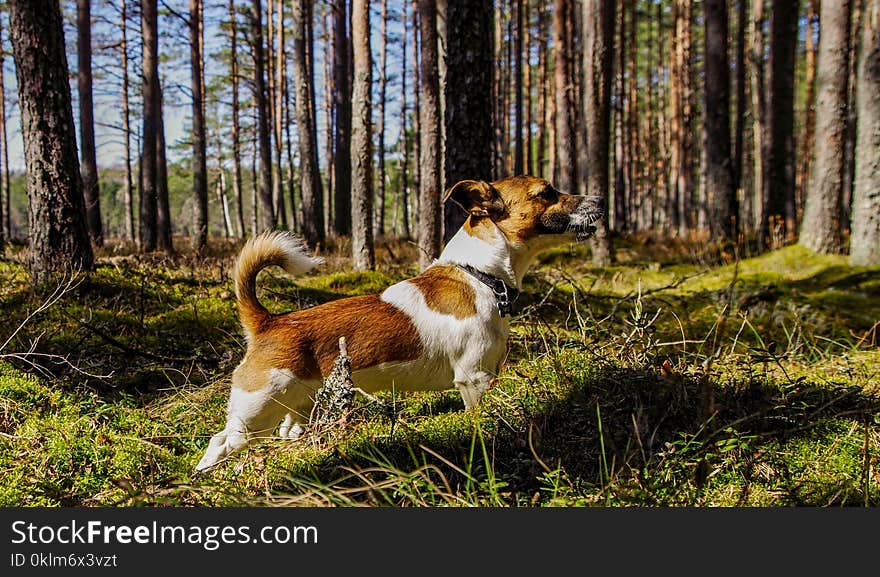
[
  {"x": 363, "y": 254},
  {"x": 468, "y": 115},
  {"x": 518, "y": 153},
  {"x": 150, "y": 119},
  {"x": 379, "y": 226},
  {"x": 430, "y": 221},
  {"x": 199, "y": 144},
  {"x": 163, "y": 210},
  {"x": 565, "y": 147},
  {"x": 311, "y": 193},
  {"x": 237, "y": 190},
  {"x": 330, "y": 124},
  {"x": 740, "y": 114},
  {"x": 865, "y": 240},
  {"x": 417, "y": 115},
  {"x": 821, "y": 229},
  {"x": 278, "y": 116},
  {"x": 5, "y": 207},
  {"x": 128, "y": 187},
  {"x": 528, "y": 161},
  {"x": 779, "y": 215},
  {"x": 543, "y": 112},
  {"x": 404, "y": 137},
  {"x": 759, "y": 110},
  {"x": 617, "y": 212},
  {"x": 598, "y": 39},
  {"x": 88, "y": 163},
  {"x": 267, "y": 208},
  {"x": 808, "y": 128},
  {"x": 342, "y": 105},
  {"x": 722, "y": 207},
  {"x": 58, "y": 239}
]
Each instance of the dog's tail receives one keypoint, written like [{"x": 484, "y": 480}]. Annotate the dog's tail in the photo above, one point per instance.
[{"x": 274, "y": 248}]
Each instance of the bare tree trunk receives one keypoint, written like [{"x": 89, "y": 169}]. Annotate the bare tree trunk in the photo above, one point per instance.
[
  {"x": 330, "y": 125},
  {"x": 58, "y": 239},
  {"x": 617, "y": 212},
  {"x": 598, "y": 39},
  {"x": 88, "y": 163},
  {"x": 163, "y": 210},
  {"x": 849, "y": 140},
  {"x": 150, "y": 118},
  {"x": 5, "y": 206},
  {"x": 740, "y": 114},
  {"x": 311, "y": 192},
  {"x": 267, "y": 208},
  {"x": 222, "y": 199},
  {"x": 128, "y": 187},
  {"x": 759, "y": 109},
  {"x": 518, "y": 154},
  {"x": 278, "y": 116},
  {"x": 199, "y": 143},
  {"x": 468, "y": 114},
  {"x": 404, "y": 138},
  {"x": 237, "y": 191},
  {"x": 363, "y": 254},
  {"x": 809, "y": 125},
  {"x": 379, "y": 226},
  {"x": 565, "y": 148},
  {"x": 822, "y": 227},
  {"x": 528, "y": 160},
  {"x": 417, "y": 117},
  {"x": 543, "y": 96},
  {"x": 430, "y": 220},
  {"x": 342, "y": 105},
  {"x": 779, "y": 215},
  {"x": 865, "y": 240},
  {"x": 722, "y": 206},
  {"x": 255, "y": 175}
]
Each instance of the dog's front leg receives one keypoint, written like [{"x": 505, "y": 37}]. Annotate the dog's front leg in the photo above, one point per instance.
[{"x": 473, "y": 387}]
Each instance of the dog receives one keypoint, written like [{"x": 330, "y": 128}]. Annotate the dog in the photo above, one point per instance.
[{"x": 446, "y": 327}]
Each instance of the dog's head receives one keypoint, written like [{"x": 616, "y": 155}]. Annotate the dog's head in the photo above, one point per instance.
[{"x": 528, "y": 210}]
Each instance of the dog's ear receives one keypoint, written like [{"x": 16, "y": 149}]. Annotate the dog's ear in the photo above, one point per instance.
[{"x": 476, "y": 197}]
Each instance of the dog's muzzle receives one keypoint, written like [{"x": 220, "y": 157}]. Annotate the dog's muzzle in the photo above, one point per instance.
[{"x": 583, "y": 219}]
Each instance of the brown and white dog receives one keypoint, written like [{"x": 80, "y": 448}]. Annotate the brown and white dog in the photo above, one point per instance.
[{"x": 446, "y": 327}]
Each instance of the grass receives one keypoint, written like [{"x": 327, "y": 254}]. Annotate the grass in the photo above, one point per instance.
[{"x": 671, "y": 378}]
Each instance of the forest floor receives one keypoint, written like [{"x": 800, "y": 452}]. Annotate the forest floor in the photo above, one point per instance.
[{"x": 677, "y": 376}]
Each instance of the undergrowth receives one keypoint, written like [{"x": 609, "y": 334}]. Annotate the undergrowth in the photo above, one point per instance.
[{"x": 670, "y": 378}]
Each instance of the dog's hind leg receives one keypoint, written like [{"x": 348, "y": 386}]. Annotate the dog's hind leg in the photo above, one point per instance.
[{"x": 250, "y": 415}]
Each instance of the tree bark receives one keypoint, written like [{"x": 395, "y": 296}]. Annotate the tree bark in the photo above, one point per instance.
[
  {"x": 404, "y": 137},
  {"x": 779, "y": 215},
  {"x": 821, "y": 229},
  {"x": 468, "y": 115},
  {"x": 311, "y": 193},
  {"x": 363, "y": 254},
  {"x": 808, "y": 129},
  {"x": 237, "y": 190},
  {"x": 716, "y": 123},
  {"x": 278, "y": 116},
  {"x": 88, "y": 162},
  {"x": 566, "y": 174},
  {"x": 267, "y": 208},
  {"x": 598, "y": 39},
  {"x": 58, "y": 239},
  {"x": 163, "y": 209},
  {"x": 379, "y": 225},
  {"x": 5, "y": 207},
  {"x": 150, "y": 119},
  {"x": 342, "y": 106},
  {"x": 199, "y": 143},
  {"x": 740, "y": 114},
  {"x": 865, "y": 239},
  {"x": 759, "y": 110},
  {"x": 518, "y": 152},
  {"x": 128, "y": 186},
  {"x": 430, "y": 221}
]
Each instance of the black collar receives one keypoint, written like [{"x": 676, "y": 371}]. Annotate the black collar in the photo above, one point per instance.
[{"x": 505, "y": 295}]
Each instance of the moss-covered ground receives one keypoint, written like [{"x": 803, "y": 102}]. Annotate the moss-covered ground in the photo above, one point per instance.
[{"x": 673, "y": 377}]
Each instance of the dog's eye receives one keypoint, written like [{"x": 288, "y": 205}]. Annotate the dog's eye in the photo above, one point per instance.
[{"x": 549, "y": 194}]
